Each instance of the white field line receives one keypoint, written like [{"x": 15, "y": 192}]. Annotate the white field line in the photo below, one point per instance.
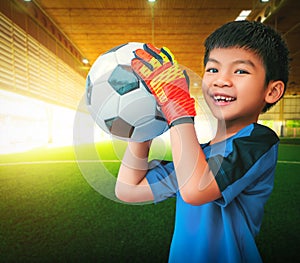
[
  {"x": 93, "y": 161},
  {"x": 59, "y": 161},
  {"x": 289, "y": 162}
]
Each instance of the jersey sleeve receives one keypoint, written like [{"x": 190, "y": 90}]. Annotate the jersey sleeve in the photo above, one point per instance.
[
  {"x": 251, "y": 161},
  {"x": 162, "y": 180}
]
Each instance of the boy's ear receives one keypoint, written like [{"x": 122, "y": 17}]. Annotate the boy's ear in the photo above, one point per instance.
[{"x": 275, "y": 91}]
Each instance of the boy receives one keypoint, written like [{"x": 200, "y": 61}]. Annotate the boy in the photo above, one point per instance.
[{"x": 221, "y": 187}]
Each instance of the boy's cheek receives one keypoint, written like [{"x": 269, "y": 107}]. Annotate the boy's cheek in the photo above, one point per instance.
[{"x": 204, "y": 88}]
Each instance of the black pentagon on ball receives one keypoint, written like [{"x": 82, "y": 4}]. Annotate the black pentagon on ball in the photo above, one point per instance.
[
  {"x": 123, "y": 80},
  {"x": 119, "y": 127}
]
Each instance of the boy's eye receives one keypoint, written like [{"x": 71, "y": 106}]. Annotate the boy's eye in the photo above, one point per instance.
[
  {"x": 241, "y": 71},
  {"x": 212, "y": 70}
]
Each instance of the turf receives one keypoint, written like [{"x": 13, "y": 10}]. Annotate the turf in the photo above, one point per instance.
[{"x": 49, "y": 213}]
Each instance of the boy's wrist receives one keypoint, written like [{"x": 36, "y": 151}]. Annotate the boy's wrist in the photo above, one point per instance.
[{"x": 188, "y": 119}]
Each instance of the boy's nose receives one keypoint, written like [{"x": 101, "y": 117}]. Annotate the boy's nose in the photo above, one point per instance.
[{"x": 223, "y": 81}]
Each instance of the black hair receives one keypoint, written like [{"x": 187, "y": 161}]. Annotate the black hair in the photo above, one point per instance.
[{"x": 262, "y": 39}]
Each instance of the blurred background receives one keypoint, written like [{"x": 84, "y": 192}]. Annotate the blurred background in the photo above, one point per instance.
[
  {"x": 56, "y": 198},
  {"x": 48, "y": 46}
]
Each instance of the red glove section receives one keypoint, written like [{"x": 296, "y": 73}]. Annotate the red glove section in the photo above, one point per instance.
[{"x": 168, "y": 83}]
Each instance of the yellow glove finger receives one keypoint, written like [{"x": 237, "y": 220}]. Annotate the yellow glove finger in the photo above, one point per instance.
[
  {"x": 168, "y": 55},
  {"x": 159, "y": 54}
]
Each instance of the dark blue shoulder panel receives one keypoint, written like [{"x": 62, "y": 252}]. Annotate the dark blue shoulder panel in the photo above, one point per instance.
[{"x": 246, "y": 151}]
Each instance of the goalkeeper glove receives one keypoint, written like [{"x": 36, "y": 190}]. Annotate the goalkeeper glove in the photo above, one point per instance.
[{"x": 169, "y": 84}]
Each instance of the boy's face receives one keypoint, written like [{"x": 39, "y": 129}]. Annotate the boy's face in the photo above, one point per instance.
[{"x": 233, "y": 84}]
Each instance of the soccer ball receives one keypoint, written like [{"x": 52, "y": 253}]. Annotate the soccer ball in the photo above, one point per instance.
[{"x": 118, "y": 101}]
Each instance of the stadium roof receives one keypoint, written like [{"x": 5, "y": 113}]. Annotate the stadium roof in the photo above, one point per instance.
[{"x": 93, "y": 27}]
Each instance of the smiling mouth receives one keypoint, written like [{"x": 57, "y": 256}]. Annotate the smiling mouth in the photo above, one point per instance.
[{"x": 218, "y": 98}]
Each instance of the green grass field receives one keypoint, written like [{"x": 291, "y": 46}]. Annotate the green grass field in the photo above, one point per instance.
[{"x": 49, "y": 213}]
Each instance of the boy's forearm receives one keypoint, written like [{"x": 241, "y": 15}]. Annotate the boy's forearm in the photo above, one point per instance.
[
  {"x": 186, "y": 152},
  {"x": 195, "y": 180},
  {"x": 131, "y": 185},
  {"x": 134, "y": 163}
]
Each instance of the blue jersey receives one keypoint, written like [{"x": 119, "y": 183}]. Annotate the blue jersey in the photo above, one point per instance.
[{"x": 223, "y": 230}]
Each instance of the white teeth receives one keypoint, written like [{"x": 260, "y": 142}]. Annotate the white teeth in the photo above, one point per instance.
[{"x": 222, "y": 98}]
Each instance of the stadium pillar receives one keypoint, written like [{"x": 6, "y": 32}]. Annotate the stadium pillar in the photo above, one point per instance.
[{"x": 281, "y": 114}]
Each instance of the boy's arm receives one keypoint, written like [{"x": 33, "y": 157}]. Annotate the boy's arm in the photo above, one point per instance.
[
  {"x": 169, "y": 84},
  {"x": 197, "y": 184},
  {"x": 132, "y": 185}
]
